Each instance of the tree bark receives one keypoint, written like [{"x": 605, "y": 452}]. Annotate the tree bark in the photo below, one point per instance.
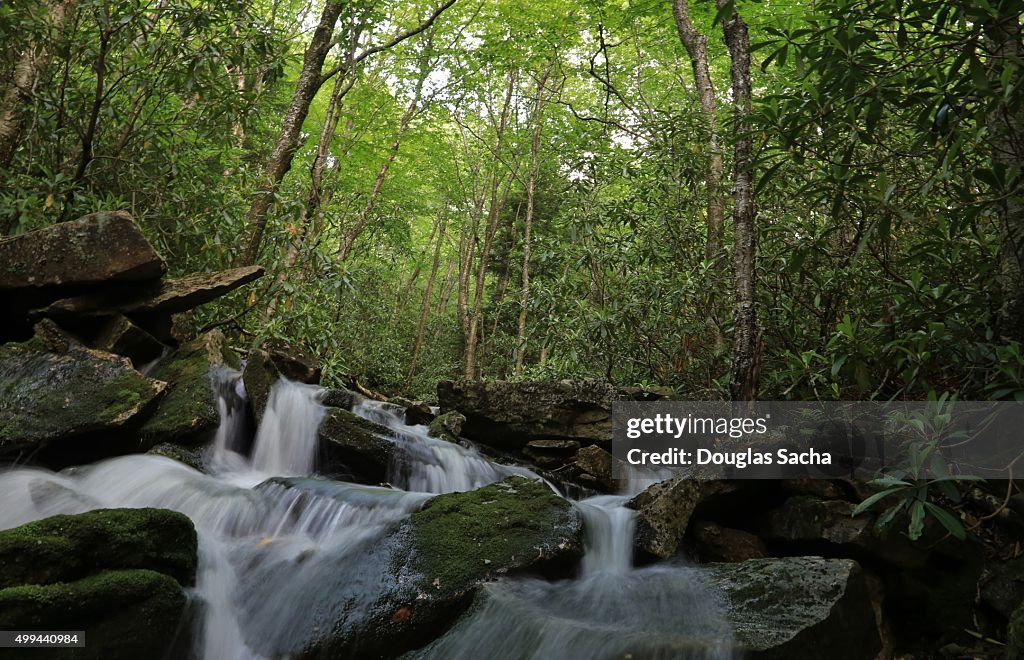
[
  {"x": 29, "y": 68},
  {"x": 746, "y": 337},
  {"x": 531, "y": 184},
  {"x": 1006, "y": 128},
  {"x": 309, "y": 83},
  {"x": 425, "y": 306},
  {"x": 696, "y": 45}
]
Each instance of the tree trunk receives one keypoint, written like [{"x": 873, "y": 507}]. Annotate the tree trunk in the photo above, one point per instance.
[
  {"x": 427, "y": 291},
  {"x": 531, "y": 184},
  {"x": 746, "y": 338},
  {"x": 308, "y": 84},
  {"x": 1006, "y": 128},
  {"x": 29, "y": 68},
  {"x": 697, "y": 48}
]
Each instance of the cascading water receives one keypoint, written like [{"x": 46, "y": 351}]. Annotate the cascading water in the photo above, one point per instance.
[
  {"x": 427, "y": 464},
  {"x": 276, "y": 547}
]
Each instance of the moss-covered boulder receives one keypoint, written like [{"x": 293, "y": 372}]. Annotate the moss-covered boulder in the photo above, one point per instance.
[
  {"x": 188, "y": 414},
  {"x": 67, "y": 396},
  {"x": 259, "y": 376},
  {"x": 447, "y": 426},
  {"x": 799, "y": 607},
  {"x": 404, "y": 588},
  {"x": 117, "y": 574},
  {"x": 125, "y": 614},
  {"x": 354, "y": 447},
  {"x": 68, "y": 547},
  {"x": 190, "y": 456}
]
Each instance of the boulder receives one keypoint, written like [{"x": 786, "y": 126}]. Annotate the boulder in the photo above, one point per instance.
[
  {"x": 508, "y": 415},
  {"x": 98, "y": 248},
  {"x": 67, "y": 398},
  {"x": 294, "y": 363},
  {"x": 121, "y": 336},
  {"x": 403, "y": 589},
  {"x": 799, "y": 607},
  {"x": 595, "y": 466},
  {"x": 447, "y": 426},
  {"x": 124, "y": 613},
  {"x": 710, "y": 542},
  {"x": 116, "y": 574},
  {"x": 355, "y": 447},
  {"x": 68, "y": 547},
  {"x": 417, "y": 412},
  {"x": 1015, "y": 635},
  {"x": 338, "y": 397},
  {"x": 164, "y": 298},
  {"x": 664, "y": 511},
  {"x": 190, "y": 456},
  {"x": 259, "y": 375},
  {"x": 188, "y": 415},
  {"x": 807, "y": 523}
]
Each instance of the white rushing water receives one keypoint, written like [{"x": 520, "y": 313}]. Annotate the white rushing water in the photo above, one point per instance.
[{"x": 276, "y": 544}]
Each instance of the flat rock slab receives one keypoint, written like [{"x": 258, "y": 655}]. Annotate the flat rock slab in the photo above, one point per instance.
[
  {"x": 96, "y": 248},
  {"x": 47, "y": 396},
  {"x": 169, "y": 297},
  {"x": 799, "y": 607}
]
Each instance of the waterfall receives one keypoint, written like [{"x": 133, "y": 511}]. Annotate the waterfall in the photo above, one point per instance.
[
  {"x": 277, "y": 544},
  {"x": 431, "y": 465}
]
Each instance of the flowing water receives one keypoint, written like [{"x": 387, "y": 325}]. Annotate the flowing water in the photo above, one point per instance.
[{"x": 281, "y": 553}]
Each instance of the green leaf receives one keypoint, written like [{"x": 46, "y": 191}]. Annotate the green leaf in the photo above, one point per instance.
[
  {"x": 867, "y": 504},
  {"x": 916, "y": 527},
  {"x": 948, "y": 520}
]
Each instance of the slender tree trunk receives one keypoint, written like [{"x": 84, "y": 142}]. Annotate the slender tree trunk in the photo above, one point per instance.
[
  {"x": 1006, "y": 128},
  {"x": 308, "y": 84},
  {"x": 427, "y": 292},
  {"x": 32, "y": 62},
  {"x": 382, "y": 174},
  {"x": 531, "y": 184},
  {"x": 697, "y": 48},
  {"x": 493, "y": 213},
  {"x": 746, "y": 337}
]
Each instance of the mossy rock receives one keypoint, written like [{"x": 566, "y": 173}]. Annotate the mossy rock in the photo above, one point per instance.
[
  {"x": 355, "y": 447},
  {"x": 125, "y": 614},
  {"x": 447, "y": 426},
  {"x": 48, "y": 396},
  {"x": 402, "y": 590},
  {"x": 188, "y": 414},
  {"x": 68, "y": 547},
  {"x": 190, "y": 456}
]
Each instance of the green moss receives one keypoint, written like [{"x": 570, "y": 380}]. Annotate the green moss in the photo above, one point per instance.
[
  {"x": 189, "y": 410},
  {"x": 62, "y": 548},
  {"x": 464, "y": 537},
  {"x": 125, "y": 614}
]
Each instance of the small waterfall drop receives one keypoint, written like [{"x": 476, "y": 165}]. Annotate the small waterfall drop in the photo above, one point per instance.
[
  {"x": 286, "y": 442},
  {"x": 430, "y": 465},
  {"x": 609, "y": 527}
]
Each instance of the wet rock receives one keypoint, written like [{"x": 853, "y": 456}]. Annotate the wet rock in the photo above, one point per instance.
[
  {"x": 447, "y": 426},
  {"x": 664, "y": 511},
  {"x": 417, "y": 412},
  {"x": 294, "y": 363},
  {"x": 711, "y": 542},
  {"x": 338, "y": 397},
  {"x": 508, "y": 415},
  {"x": 404, "y": 588},
  {"x": 259, "y": 375},
  {"x": 121, "y": 336},
  {"x": 190, "y": 456},
  {"x": 355, "y": 447},
  {"x": 799, "y": 607},
  {"x": 96, "y": 248},
  {"x": 124, "y": 613},
  {"x": 68, "y": 547},
  {"x": 1002, "y": 586},
  {"x": 188, "y": 415},
  {"x": 48, "y": 397},
  {"x": 595, "y": 465}
]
